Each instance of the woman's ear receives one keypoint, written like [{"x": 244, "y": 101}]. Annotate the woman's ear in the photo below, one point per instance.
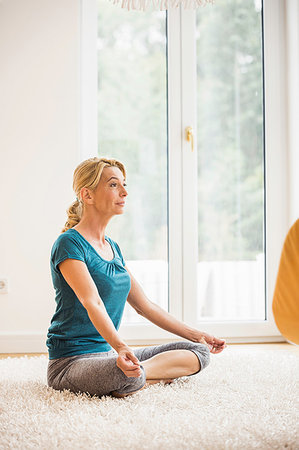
[{"x": 87, "y": 196}]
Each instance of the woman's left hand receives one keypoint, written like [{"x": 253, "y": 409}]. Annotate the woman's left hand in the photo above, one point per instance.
[{"x": 215, "y": 344}]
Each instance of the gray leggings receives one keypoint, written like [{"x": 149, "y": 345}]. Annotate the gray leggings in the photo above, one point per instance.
[{"x": 98, "y": 374}]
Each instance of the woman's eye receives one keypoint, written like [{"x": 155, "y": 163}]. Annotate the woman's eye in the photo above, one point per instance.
[{"x": 115, "y": 184}]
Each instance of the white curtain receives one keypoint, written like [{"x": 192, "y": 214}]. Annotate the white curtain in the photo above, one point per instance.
[{"x": 161, "y": 5}]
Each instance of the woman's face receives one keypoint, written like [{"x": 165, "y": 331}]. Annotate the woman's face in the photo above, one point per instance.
[{"x": 110, "y": 195}]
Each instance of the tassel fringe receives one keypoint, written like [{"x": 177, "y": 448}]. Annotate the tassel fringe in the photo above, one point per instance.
[{"x": 161, "y": 4}]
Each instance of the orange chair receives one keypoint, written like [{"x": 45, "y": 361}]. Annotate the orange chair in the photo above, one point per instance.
[{"x": 285, "y": 305}]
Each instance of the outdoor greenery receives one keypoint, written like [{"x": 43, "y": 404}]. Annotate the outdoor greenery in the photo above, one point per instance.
[
  {"x": 132, "y": 117},
  {"x": 132, "y": 126},
  {"x": 230, "y": 131}
]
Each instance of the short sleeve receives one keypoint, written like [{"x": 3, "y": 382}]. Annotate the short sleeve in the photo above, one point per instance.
[
  {"x": 66, "y": 247},
  {"x": 120, "y": 254}
]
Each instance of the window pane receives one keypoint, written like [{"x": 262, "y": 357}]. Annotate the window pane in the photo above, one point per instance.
[
  {"x": 132, "y": 127},
  {"x": 230, "y": 161}
]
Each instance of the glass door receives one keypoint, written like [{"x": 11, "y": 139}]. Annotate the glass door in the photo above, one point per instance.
[
  {"x": 230, "y": 162},
  {"x": 223, "y": 169},
  {"x": 132, "y": 127}
]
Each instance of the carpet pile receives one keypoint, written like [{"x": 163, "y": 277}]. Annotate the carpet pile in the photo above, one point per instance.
[{"x": 245, "y": 399}]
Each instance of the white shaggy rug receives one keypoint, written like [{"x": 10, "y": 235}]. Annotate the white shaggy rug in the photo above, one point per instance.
[{"x": 245, "y": 399}]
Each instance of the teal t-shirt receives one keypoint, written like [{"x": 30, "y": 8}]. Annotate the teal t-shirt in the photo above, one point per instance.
[{"x": 71, "y": 331}]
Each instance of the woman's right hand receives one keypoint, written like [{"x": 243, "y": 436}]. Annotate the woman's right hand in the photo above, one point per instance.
[{"x": 128, "y": 362}]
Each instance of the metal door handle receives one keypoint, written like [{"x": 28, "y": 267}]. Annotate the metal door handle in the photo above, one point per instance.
[{"x": 189, "y": 136}]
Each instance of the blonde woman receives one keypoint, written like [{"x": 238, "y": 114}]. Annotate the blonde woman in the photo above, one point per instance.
[{"x": 92, "y": 285}]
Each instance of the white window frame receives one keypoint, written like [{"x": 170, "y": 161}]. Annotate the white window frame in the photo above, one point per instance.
[
  {"x": 182, "y": 113},
  {"x": 276, "y": 168}
]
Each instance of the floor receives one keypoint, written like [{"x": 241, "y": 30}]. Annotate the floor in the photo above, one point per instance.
[{"x": 284, "y": 346}]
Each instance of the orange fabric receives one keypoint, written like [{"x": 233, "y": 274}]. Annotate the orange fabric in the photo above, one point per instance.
[{"x": 285, "y": 305}]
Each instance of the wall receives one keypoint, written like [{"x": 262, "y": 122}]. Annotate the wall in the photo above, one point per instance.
[
  {"x": 39, "y": 145},
  {"x": 292, "y": 38}
]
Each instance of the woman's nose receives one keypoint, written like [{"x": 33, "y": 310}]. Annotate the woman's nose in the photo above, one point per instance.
[{"x": 124, "y": 192}]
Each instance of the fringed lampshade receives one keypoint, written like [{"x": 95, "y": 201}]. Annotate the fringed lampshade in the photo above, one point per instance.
[{"x": 161, "y": 5}]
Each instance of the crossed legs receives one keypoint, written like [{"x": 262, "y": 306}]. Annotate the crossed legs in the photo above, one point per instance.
[
  {"x": 98, "y": 374},
  {"x": 166, "y": 366}
]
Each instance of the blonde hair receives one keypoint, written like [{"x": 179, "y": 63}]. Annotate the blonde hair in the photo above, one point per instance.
[{"x": 87, "y": 174}]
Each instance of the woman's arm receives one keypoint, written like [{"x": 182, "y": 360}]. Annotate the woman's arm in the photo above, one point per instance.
[
  {"x": 155, "y": 314},
  {"x": 77, "y": 275}
]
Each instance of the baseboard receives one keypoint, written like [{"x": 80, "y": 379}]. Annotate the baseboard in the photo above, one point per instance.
[
  {"x": 229, "y": 340},
  {"x": 23, "y": 343},
  {"x": 36, "y": 343}
]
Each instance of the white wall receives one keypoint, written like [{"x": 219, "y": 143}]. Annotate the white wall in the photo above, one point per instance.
[
  {"x": 39, "y": 149},
  {"x": 292, "y": 54}
]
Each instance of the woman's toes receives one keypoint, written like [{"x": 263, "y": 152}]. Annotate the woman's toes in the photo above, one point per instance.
[{"x": 168, "y": 381}]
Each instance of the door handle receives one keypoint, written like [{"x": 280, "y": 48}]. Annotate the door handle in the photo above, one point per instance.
[{"x": 189, "y": 136}]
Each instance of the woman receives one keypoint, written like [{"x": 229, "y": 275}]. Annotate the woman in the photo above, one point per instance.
[{"x": 92, "y": 284}]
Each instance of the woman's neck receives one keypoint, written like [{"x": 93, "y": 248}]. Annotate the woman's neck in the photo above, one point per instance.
[{"x": 92, "y": 230}]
